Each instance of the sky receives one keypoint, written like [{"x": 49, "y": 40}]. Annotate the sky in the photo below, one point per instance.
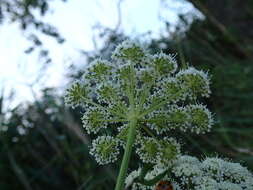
[{"x": 74, "y": 20}]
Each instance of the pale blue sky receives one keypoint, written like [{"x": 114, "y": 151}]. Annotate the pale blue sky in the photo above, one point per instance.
[{"x": 18, "y": 70}]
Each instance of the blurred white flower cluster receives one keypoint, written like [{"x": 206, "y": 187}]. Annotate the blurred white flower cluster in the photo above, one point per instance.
[{"x": 189, "y": 173}]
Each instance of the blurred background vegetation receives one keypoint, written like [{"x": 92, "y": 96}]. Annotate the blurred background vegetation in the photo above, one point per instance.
[{"x": 43, "y": 145}]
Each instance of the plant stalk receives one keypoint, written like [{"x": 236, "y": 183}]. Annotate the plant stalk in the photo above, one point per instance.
[{"x": 127, "y": 155}]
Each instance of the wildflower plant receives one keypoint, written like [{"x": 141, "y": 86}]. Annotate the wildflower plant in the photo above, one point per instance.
[{"x": 135, "y": 101}]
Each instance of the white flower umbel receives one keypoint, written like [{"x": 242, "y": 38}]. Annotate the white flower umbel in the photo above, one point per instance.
[
  {"x": 173, "y": 90},
  {"x": 195, "y": 82},
  {"x": 105, "y": 149},
  {"x": 164, "y": 64},
  {"x": 146, "y": 95},
  {"x": 204, "y": 183},
  {"x": 75, "y": 94},
  {"x": 211, "y": 173},
  {"x": 186, "y": 172},
  {"x": 149, "y": 150},
  {"x": 98, "y": 70},
  {"x": 222, "y": 170},
  {"x": 178, "y": 118},
  {"x": 189, "y": 173},
  {"x": 170, "y": 150},
  {"x": 94, "y": 120},
  {"x": 228, "y": 186},
  {"x": 128, "y": 51},
  {"x": 159, "y": 121},
  {"x": 201, "y": 119}
]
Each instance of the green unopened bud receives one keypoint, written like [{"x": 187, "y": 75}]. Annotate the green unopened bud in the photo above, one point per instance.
[
  {"x": 94, "y": 120},
  {"x": 149, "y": 150},
  {"x": 201, "y": 119},
  {"x": 169, "y": 150},
  {"x": 105, "y": 149},
  {"x": 98, "y": 70},
  {"x": 128, "y": 51},
  {"x": 196, "y": 82},
  {"x": 164, "y": 64},
  {"x": 75, "y": 94}
]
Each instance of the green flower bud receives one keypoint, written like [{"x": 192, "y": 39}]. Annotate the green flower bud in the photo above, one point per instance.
[
  {"x": 169, "y": 150},
  {"x": 149, "y": 150},
  {"x": 173, "y": 90},
  {"x": 178, "y": 118},
  {"x": 98, "y": 70},
  {"x": 94, "y": 120},
  {"x": 195, "y": 82},
  {"x": 164, "y": 64},
  {"x": 75, "y": 94},
  {"x": 128, "y": 51},
  {"x": 105, "y": 149},
  {"x": 158, "y": 121},
  {"x": 201, "y": 119}
]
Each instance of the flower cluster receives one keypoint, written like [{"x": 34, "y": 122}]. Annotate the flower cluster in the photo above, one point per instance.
[
  {"x": 155, "y": 151},
  {"x": 188, "y": 172},
  {"x": 105, "y": 149},
  {"x": 139, "y": 100},
  {"x": 150, "y": 88}
]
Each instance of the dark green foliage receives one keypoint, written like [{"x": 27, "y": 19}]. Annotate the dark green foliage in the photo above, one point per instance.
[{"x": 43, "y": 147}]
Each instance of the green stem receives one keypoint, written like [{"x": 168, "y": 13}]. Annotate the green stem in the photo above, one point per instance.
[
  {"x": 101, "y": 107},
  {"x": 144, "y": 95},
  {"x": 148, "y": 131},
  {"x": 152, "y": 181},
  {"x": 110, "y": 120},
  {"x": 144, "y": 171},
  {"x": 153, "y": 108},
  {"x": 132, "y": 116},
  {"x": 127, "y": 154}
]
